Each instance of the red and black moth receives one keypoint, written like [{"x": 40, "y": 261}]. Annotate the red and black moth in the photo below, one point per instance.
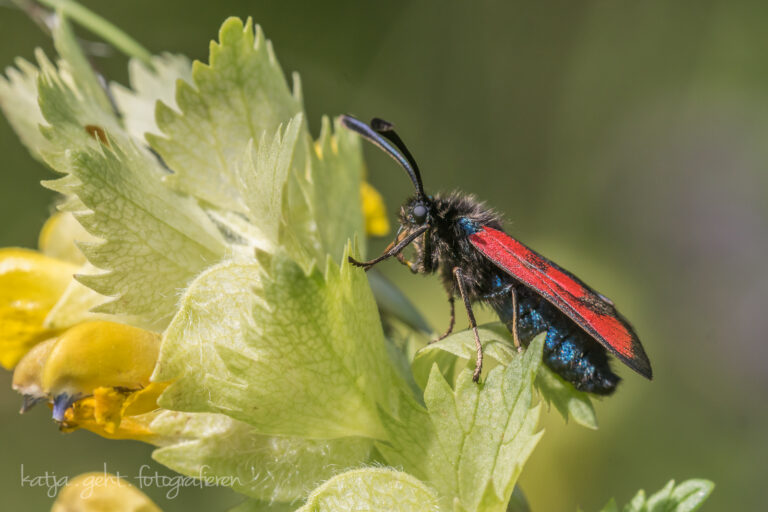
[{"x": 458, "y": 237}]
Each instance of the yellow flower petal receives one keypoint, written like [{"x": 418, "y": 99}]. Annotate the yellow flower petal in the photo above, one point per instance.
[
  {"x": 30, "y": 285},
  {"x": 116, "y": 413},
  {"x": 108, "y": 408},
  {"x": 58, "y": 236},
  {"x": 102, "y": 492},
  {"x": 144, "y": 400},
  {"x": 98, "y": 414},
  {"x": 28, "y": 374},
  {"x": 98, "y": 354},
  {"x": 374, "y": 211}
]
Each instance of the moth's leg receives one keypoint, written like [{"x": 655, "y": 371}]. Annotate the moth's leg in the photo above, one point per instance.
[
  {"x": 451, "y": 301},
  {"x": 393, "y": 249},
  {"x": 411, "y": 265},
  {"x": 515, "y": 316},
  {"x": 458, "y": 275}
]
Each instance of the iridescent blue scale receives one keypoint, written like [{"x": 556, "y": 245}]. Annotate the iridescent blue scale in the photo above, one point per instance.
[{"x": 568, "y": 350}]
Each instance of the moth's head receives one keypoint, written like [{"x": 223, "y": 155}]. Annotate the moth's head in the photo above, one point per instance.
[{"x": 416, "y": 212}]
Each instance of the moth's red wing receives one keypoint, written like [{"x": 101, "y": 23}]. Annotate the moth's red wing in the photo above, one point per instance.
[{"x": 590, "y": 310}]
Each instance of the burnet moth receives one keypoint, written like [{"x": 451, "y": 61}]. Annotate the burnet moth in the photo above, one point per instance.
[{"x": 458, "y": 237}]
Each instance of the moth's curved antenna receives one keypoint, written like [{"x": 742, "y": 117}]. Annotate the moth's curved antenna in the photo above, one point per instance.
[
  {"x": 387, "y": 129},
  {"x": 384, "y": 142}
]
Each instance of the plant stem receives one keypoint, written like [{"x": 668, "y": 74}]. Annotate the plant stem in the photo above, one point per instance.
[{"x": 101, "y": 27}]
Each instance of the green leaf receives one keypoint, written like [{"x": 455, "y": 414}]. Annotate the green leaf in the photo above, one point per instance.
[
  {"x": 73, "y": 122},
  {"x": 393, "y": 303},
  {"x": 18, "y": 101},
  {"x": 458, "y": 351},
  {"x": 263, "y": 467},
  {"x": 238, "y": 143},
  {"x": 263, "y": 175},
  {"x": 470, "y": 443},
  {"x": 77, "y": 303},
  {"x": 569, "y": 402},
  {"x": 19, "y": 94},
  {"x": 337, "y": 165},
  {"x": 518, "y": 503},
  {"x": 148, "y": 86},
  {"x": 78, "y": 65},
  {"x": 686, "y": 497},
  {"x": 154, "y": 240},
  {"x": 372, "y": 489},
  {"x": 236, "y": 99},
  {"x": 609, "y": 507},
  {"x": 251, "y": 505},
  {"x": 289, "y": 351},
  {"x": 322, "y": 209}
]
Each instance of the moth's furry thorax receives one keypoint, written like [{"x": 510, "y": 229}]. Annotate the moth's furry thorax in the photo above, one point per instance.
[{"x": 445, "y": 245}]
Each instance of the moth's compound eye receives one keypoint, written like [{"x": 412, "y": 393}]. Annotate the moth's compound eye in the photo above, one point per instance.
[{"x": 419, "y": 213}]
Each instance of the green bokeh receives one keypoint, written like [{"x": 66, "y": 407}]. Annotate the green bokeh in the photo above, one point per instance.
[{"x": 624, "y": 140}]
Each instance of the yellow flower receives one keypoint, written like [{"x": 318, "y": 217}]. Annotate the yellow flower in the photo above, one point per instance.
[
  {"x": 39, "y": 297},
  {"x": 102, "y": 492},
  {"x": 116, "y": 414},
  {"x": 30, "y": 286},
  {"x": 28, "y": 375},
  {"x": 374, "y": 211},
  {"x": 98, "y": 354},
  {"x": 96, "y": 376},
  {"x": 94, "y": 373}
]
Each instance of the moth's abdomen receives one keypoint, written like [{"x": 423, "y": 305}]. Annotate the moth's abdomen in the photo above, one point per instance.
[{"x": 568, "y": 350}]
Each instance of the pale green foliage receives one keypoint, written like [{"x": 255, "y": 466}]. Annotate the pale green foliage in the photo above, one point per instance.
[
  {"x": 338, "y": 160},
  {"x": 251, "y": 337},
  {"x": 393, "y": 303},
  {"x": 470, "y": 443},
  {"x": 267, "y": 468},
  {"x": 153, "y": 240},
  {"x": 79, "y": 102},
  {"x": 239, "y": 143},
  {"x": 232, "y": 101},
  {"x": 685, "y": 497},
  {"x": 148, "y": 86},
  {"x": 156, "y": 241},
  {"x": 18, "y": 100},
  {"x": 262, "y": 176},
  {"x": 71, "y": 101},
  {"x": 82, "y": 72},
  {"x": 253, "y": 505},
  {"x": 372, "y": 489},
  {"x": 458, "y": 351},
  {"x": 276, "y": 352},
  {"x": 568, "y": 401},
  {"x": 77, "y": 303}
]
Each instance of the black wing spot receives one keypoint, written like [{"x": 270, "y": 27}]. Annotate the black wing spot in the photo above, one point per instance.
[
  {"x": 538, "y": 261},
  {"x": 597, "y": 304}
]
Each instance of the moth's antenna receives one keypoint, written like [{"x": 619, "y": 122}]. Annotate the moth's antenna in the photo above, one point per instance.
[
  {"x": 382, "y": 140},
  {"x": 387, "y": 129}
]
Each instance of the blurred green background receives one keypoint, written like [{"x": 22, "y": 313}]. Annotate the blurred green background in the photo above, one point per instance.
[{"x": 624, "y": 140}]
